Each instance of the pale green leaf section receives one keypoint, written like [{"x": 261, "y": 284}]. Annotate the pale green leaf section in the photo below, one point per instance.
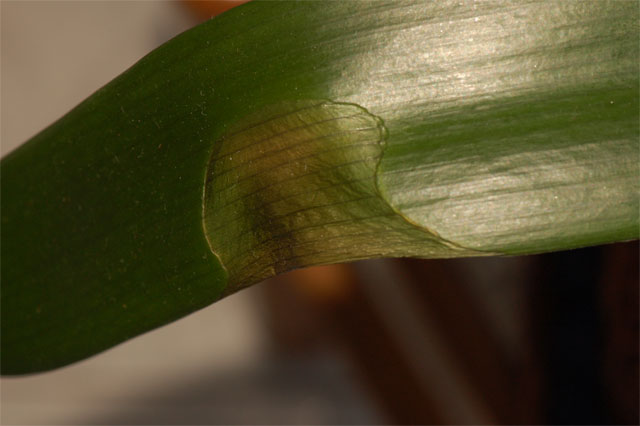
[{"x": 523, "y": 135}]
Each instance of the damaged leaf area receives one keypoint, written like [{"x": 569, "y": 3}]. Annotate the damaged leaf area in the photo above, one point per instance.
[{"x": 295, "y": 185}]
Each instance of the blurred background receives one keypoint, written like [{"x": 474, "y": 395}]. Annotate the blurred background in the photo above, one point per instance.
[{"x": 548, "y": 339}]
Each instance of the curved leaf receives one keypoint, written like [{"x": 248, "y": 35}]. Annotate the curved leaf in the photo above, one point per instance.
[{"x": 389, "y": 129}]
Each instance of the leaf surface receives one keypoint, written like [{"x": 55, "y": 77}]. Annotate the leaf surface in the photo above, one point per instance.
[{"x": 281, "y": 135}]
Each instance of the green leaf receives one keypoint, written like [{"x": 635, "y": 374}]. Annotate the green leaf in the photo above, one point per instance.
[{"x": 281, "y": 135}]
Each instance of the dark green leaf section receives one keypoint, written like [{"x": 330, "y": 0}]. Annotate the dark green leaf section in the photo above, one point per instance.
[{"x": 102, "y": 212}]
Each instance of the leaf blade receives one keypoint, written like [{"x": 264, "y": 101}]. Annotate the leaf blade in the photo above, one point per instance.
[{"x": 102, "y": 233}]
